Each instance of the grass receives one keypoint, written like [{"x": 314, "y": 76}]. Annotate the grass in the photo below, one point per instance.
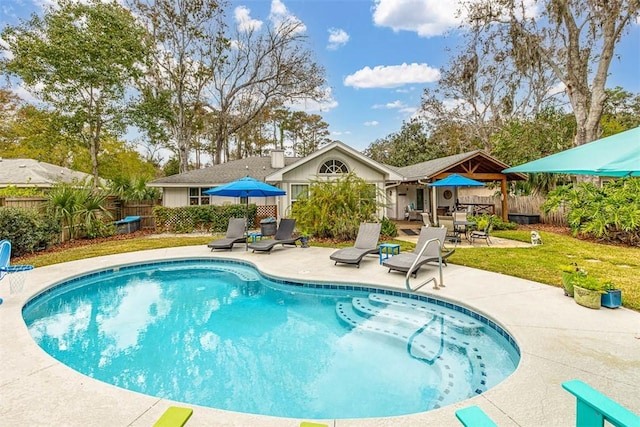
[{"x": 619, "y": 264}]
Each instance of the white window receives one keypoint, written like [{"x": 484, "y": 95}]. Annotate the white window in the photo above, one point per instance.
[
  {"x": 298, "y": 190},
  {"x": 196, "y": 197},
  {"x": 332, "y": 167}
]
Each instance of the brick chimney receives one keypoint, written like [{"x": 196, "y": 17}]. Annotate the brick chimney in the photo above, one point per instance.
[{"x": 277, "y": 159}]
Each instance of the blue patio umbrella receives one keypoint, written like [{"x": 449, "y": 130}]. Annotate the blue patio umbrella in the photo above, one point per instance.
[
  {"x": 454, "y": 180},
  {"x": 245, "y": 187}
]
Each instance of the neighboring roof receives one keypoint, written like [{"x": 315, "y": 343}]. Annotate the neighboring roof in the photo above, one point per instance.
[
  {"x": 475, "y": 163},
  {"x": 32, "y": 173},
  {"x": 390, "y": 173},
  {"x": 258, "y": 167}
]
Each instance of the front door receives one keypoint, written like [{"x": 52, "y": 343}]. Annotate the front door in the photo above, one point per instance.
[{"x": 420, "y": 199}]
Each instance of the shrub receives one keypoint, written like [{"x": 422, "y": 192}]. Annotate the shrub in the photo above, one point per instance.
[
  {"x": 610, "y": 213},
  {"x": 335, "y": 209},
  {"x": 209, "y": 218},
  {"x": 388, "y": 228},
  {"x": 27, "y": 230}
]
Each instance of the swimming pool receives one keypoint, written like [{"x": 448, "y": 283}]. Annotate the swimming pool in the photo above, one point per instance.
[{"x": 220, "y": 334}]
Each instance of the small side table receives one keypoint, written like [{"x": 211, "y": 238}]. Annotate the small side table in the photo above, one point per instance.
[
  {"x": 254, "y": 236},
  {"x": 387, "y": 250}
]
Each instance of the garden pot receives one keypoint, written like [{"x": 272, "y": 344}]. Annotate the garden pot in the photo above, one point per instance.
[
  {"x": 305, "y": 242},
  {"x": 612, "y": 298},
  {"x": 586, "y": 297},
  {"x": 567, "y": 283}
]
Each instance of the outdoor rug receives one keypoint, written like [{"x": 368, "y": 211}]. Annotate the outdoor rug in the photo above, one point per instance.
[{"x": 408, "y": 232}]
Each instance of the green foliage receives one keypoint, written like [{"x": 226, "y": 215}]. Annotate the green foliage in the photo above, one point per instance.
[
  {"x": 80, "y": 208},
  {"x": 127, "y": 188},
  {"x": 496, "y": 223},
  {"x": 610, "y": 213},
  {"x": 80, "y": 58},
  {"x": 27, "y": 230},
  {"x": 409, "y": 146},
  {"x": 335, "y": 209},
  {"x": 388, "y": 228},
  {"x": 211, "y": 218},
  {"x": 13, "y": 191}
]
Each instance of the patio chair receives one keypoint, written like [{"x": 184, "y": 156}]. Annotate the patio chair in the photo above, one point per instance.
[
  {"x": 366, "y": 243},
  {"x": 235, "y": 234},
  {"x": 5, "y": 256},
  {"x": 428, "y": 235},
  {"x": 282, "y": 237},
  {"x": 482, "y": 234}
]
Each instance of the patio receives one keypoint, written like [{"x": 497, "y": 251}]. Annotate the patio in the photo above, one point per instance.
[{"x": 559, "y": 341}]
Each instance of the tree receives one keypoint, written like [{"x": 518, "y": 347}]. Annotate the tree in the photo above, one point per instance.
[
  {"x": 409, "y": 146},
  {"x": 261, "y": 69},
  {"x": 79, "y": 58},
  {"x": 308, "y": 132},
  {"x": 190, "y": 44},
  {"x": 575, "y": 39},
  {"x": 41, "y": 135}
]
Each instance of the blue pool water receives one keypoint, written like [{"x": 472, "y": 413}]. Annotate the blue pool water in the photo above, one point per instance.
[{"x": 220, "y": 334}]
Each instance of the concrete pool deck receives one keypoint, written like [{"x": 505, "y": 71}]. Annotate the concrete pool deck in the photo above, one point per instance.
[{"x": 559, "y": 341}]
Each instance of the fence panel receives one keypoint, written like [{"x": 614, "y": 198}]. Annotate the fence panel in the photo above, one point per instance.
[
  {"x": 143, "y": 209},
  {"x": 24, "y": 202},
  {"x": 521, "y": 204}
]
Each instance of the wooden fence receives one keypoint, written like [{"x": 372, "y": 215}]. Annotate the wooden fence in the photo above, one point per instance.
[{"x": 520, "y": 204}]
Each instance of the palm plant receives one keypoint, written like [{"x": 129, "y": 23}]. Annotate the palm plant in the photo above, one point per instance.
[
  {"x": 335, "y": 209},
  {"x": 78, "y": 206}
]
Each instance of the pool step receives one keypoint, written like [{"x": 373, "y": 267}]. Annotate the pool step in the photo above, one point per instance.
[
  {"x": 424, "y": 345},
  {"x": 465, "y": 326},
  {"x": 421, "y": 330}
]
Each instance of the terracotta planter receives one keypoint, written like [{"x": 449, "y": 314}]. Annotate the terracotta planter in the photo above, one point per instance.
[{"x": 586, "y": 297}]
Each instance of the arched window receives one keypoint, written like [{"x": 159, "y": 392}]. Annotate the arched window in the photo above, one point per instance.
[{"x": 331, "y": 167}]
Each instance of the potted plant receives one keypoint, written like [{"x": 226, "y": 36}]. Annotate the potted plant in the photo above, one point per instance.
[
  {"x": 569, "y": 273},
  {"x": 304, "y": 239},
  {"x": 612, "y": 297},
  {"x": 587, "y": 290}
]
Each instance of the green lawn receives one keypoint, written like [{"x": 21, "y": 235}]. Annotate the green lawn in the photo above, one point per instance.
[{"x": 542, "y": 264}]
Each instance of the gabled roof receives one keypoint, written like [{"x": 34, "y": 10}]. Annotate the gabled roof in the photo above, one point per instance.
[
  {"x": 32, "y": 173},
  {"x": 390, "y": 173},
  {"x": 258, "y": 167},
  {"x": 475, "y": 162}
]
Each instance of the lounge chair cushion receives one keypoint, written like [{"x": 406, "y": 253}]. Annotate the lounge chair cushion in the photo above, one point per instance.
[
  {"x": 366, "y": 243},
  {"x": 402, "y": 262},
  {"x": 283, "y": 236},
  {"x": 235, "y": 234}
]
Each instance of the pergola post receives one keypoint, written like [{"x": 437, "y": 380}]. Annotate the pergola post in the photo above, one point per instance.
[{"x": 504, "y": 197}]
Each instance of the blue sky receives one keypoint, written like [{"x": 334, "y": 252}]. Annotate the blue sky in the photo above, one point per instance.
[{"x": 379, "y": 55}]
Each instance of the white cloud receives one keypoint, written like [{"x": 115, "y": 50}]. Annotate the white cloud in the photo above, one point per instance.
[
  {"x": 279, "y": 15},
  {"x": 310, "y": 106},
  {"x": 243, "y": 18},
  {"x": 372, "y": 123},
  {"x": 337, "y": 38},
  {"x": 392, "y": 76},
  {"x": 427, "y": 18}
]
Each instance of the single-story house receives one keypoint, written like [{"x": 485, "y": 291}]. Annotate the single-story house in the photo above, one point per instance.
[
  {"x": 27, "y": 173},
  {"x": 401, "y": 187}
]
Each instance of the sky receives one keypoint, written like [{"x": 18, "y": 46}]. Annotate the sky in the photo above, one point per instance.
[{"x": 378, "y": 55}]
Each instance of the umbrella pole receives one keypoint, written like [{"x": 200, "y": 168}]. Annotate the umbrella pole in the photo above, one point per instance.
[{"x": 246, "y": 225}]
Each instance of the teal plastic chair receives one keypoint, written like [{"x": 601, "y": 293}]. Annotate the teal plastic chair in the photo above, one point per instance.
[{"x": 5, "y": 257}]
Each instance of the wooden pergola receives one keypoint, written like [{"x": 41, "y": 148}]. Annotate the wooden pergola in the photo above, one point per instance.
[{"x": 476, "y": 165}]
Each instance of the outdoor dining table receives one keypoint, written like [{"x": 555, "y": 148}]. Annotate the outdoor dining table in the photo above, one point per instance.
[{"x": 468, "y": 226}]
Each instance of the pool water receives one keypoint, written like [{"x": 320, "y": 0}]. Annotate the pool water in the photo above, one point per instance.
[{"x": 220, "y": 334}]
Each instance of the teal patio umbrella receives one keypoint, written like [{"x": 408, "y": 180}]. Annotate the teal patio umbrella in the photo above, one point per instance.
[
  {"x": 245, "y": 187},
  {"x": 617, "y": 155}
]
